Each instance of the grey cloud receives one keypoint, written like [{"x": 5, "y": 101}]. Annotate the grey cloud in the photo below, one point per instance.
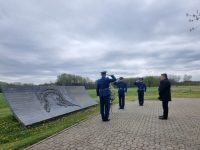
[{"x": 42, "y": 39}]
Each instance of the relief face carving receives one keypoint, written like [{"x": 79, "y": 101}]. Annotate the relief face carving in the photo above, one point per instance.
[{"x": 47, "y": 95}]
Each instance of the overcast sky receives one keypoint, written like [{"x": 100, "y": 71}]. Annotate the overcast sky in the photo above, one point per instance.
[{"x": 41, "y": 39}]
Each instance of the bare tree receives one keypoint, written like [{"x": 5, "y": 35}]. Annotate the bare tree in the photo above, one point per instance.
[
  {"x": 195, "y": 17},
  {"x": 187, "y": 78},
  {"x": 177, "y": 78},
  {"x": 174, "y": 79}
]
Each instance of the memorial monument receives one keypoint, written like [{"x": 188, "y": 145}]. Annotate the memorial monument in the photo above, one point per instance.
[{"x": 32, "y": 104}]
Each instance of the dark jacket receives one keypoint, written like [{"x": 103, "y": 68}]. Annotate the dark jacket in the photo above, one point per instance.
[
  {"x": 102, "y": 88},
  {"x": 141, "y": 87},
  {"x": 122, "y": 87},
  {"x": 165, "y": 90}
]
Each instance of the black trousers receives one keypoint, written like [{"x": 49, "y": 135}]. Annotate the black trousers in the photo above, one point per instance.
[
  {"x": 121, "y": 100},
  {"x": 165, "y": 108},
  {"x": 141, "y": 98}
]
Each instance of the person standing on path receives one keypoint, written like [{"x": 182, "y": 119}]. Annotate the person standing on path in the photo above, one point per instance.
[
  {"x": 141, "y": 90},
  {"x": 122, "y": 89},
  {"x": 164, "y": 94},
  {"x": 103, "y": 92}
]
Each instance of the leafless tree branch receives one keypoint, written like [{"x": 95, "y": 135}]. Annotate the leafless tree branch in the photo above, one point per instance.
[{"x": 195, "y": 17}]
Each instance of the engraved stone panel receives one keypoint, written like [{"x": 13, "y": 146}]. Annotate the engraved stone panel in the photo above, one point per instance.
[{"x": 32, "y": 104}]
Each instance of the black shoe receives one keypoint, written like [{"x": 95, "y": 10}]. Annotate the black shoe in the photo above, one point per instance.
[
  {"x": 163, "y": 118},
  {"x": 120, "y": 108},
  {"x": 107, "y": 120}
]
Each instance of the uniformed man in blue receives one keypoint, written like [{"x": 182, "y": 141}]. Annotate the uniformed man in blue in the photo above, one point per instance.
[
  {"x": 103, "y": 92},
  {"x": 122, "y": 89},
  {"x": 141, "y": 90}
]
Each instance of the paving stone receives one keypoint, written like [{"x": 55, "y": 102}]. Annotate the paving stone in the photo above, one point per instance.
[{"x": 134, "y": 128}]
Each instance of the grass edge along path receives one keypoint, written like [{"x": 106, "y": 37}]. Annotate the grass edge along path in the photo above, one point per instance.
[{"x": 62, "y": 130}]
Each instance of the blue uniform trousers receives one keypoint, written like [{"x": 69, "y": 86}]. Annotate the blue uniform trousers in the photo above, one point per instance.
[
  {"x": 105, "y": 107},
  {"x": 121, "y": 101},
  {"x": 141, "y": 98}
]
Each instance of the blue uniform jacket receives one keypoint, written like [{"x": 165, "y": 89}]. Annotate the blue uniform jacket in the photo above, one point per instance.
[
  {"x": 103, "y": 86},
  {"x": 141, "y": 87},
  {"x": 122, "y": 87}
]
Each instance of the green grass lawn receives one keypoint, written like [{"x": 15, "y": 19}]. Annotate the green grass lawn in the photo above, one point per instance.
[
  {"x": 13, "y": 135},
  {"x": 152, "y": 93}
]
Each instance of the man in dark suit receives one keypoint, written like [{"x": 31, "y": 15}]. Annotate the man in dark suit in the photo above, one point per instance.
[
  {"x": 164, "y": 94},
  {"x": 122, "y": 89},
  {"x": 103, "y": 92}
]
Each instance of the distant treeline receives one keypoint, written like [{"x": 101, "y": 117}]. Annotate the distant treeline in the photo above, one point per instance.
[
  {"x": 62, "y": 80},
  {"x": 76, "y": 80}
]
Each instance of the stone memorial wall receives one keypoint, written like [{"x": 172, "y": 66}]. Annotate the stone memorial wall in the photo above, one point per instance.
[{"x": 32, "y": 104}]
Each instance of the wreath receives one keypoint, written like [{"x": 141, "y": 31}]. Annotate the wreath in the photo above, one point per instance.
[{"x": 112, "y": 93}]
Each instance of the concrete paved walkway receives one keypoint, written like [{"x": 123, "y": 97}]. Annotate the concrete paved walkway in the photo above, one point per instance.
[{"x": 135, "y": 128}]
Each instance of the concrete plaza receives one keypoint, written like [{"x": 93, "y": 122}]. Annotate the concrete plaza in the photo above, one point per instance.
[{"x": 134, "y": 128}]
